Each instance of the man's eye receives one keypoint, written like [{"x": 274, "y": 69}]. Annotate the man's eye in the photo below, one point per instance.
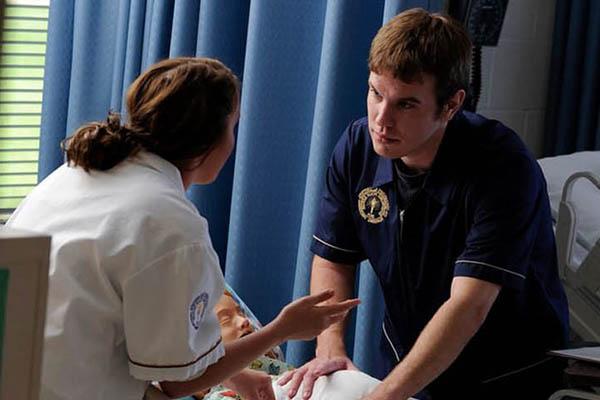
[
  {"x": 224, "y": 320},
  {"x": 374, "y": 92},
  {"x": 405, "y": 105}
]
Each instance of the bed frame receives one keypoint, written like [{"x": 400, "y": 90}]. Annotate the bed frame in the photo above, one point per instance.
[{"x": 581, "y": 283}]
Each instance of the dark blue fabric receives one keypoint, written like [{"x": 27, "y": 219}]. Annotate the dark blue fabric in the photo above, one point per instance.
[
  {"x": 483, "y": 212},
  {"x": 303, "y": 70},
  {"x": 573, "y": 110}
]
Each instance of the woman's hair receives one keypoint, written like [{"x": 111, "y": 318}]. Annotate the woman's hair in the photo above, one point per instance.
[
  {"x": 416, "y": 42},
  {"x": 177, "y": 109}
]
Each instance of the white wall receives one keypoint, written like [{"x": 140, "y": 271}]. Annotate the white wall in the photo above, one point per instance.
[{"x": 515, "y": 74}]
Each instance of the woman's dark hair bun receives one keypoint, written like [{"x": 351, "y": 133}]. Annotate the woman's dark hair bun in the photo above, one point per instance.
[{"x": 100, "y": 145}]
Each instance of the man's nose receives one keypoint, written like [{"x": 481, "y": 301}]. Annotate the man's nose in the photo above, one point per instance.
[{"x": 383, "y": 117}]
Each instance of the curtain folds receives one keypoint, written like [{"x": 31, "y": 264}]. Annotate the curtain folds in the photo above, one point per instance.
[
  {"x": 573, "y": 110},
  {"x": 303, "y": 67}
]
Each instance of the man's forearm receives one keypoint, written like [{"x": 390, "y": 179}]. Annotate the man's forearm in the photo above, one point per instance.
[
  {"x": 326, "y": 274},
  {"x": 440, "y": 343},
  {"x": 437, "y": 347}
]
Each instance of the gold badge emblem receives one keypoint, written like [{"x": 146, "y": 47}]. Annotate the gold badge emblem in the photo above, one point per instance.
[{"x": 373, "y": 205}]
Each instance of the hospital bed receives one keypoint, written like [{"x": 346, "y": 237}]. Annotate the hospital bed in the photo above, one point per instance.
[{"x": 574, "y": 192}]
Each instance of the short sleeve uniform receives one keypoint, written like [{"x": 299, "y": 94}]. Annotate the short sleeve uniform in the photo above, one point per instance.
[
  {"x": 133, "y": 280},
  {"x": 482, "y": 212}
]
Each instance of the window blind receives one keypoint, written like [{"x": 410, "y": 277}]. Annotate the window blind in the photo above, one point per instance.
[{"x": 22, "y": 55}]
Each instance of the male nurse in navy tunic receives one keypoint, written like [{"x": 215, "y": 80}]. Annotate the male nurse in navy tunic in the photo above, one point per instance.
[{"x": 451, "y": 210}]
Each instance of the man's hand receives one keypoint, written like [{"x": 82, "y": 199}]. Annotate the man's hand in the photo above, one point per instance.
[
  {"x": 252, "y": 385},
  {"x": 309, "y": 372}
]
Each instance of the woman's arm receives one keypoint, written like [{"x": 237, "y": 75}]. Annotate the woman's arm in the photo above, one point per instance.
[{"x": 302, "y": 319}]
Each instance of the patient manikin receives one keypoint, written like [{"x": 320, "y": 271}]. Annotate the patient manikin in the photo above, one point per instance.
[{"x": 236, "y": 322}]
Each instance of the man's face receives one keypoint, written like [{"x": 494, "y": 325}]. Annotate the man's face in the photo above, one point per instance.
[
  {"x": 234, "y": 323},
  {"x": 403, "y": 119}
]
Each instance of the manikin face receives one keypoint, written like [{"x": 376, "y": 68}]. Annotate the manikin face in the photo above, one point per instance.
[
  {"x": 404, "y": 121},
  {"x": 234, "y": 323}
]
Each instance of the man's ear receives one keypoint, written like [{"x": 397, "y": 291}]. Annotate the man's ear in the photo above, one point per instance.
[{"x": 453, "y": 104}]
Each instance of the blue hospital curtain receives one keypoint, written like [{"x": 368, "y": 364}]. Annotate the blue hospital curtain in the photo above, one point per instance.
[
  {"x": 303, "y": 67},
  {"x": 573, "y": 110}
]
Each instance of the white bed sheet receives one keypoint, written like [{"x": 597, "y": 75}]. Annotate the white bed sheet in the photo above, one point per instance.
[
  {"x": 341, "y": 385},
  {"x": 585, "y": 197}
]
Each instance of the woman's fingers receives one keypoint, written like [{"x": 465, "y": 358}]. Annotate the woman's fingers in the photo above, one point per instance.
[
  {"x": 334, "y": 319},
  {"x": 317, "y": 298},
  {"x": 307, "y": 317},
  {"x": 341, "y": 307}
]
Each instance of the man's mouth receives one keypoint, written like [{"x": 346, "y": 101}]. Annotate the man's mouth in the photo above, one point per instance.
[{"x": 384, "y": 139}]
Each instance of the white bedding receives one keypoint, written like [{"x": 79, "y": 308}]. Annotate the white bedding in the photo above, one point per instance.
[
  {"x": 341, "y": 385},
  {"x": 585, "y": 197}
]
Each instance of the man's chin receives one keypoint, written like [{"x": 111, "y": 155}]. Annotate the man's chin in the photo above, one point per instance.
[{"x": 386, "y": 151}]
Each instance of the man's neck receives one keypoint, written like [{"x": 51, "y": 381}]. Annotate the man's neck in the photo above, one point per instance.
[
  {"x": 422, "y": 159},
  {"x": 403, "y": 170}
]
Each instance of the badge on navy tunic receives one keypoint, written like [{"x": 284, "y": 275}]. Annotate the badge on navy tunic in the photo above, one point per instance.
[
  {"x": 373, "y": 205},
  {"x": 197, "y": 309}
]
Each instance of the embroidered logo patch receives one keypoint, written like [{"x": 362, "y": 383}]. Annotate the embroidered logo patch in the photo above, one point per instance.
[
  {"x": 373, "y": 205},
  {"x": 197, "y": 309}
]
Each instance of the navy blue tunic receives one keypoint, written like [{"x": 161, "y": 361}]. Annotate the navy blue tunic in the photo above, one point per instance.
[{"x": 483, "y": 212}]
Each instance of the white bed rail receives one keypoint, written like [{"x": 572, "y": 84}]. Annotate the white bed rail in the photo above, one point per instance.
[{"x": 566, "y": 235}]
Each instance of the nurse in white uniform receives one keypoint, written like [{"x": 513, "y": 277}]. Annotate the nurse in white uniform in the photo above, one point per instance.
[{"x": 133, "y": 274}]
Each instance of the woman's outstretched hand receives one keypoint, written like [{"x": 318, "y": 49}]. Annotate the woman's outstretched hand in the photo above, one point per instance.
[{"x": 307, "y": 317}]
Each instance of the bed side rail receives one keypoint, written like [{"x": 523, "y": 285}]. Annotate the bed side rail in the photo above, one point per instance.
[{"x": 566, "y": 227}]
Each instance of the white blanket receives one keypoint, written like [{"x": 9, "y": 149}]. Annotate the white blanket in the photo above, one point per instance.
[{"x": 341, "y": 385}]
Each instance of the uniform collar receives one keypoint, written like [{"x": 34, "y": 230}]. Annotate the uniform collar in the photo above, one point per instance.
[
  {"x": 438, "y": 183},
  {"x": 384, "y": 173},
  {"x": 441, "y": 180},
  {"x": 159, "y": 164}
]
